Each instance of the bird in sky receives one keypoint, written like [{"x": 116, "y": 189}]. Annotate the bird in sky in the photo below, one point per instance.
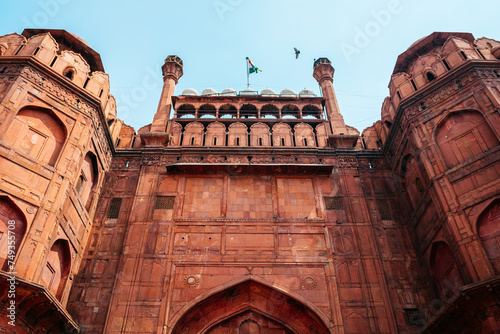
[{"x": 297, "y": 53}]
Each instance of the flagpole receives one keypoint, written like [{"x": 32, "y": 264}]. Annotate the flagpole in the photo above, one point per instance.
[{"x": 248, "y": 74}]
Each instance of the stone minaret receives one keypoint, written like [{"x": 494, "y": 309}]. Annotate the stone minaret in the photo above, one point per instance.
[
  {"x": 172, "y": 71},
  {"x": 341, "y": 135}
]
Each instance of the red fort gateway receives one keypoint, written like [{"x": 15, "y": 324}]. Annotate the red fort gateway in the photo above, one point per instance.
[{"x": 249, "y": 212}]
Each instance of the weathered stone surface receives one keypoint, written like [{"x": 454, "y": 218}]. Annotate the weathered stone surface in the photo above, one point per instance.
[{"x": 250, "y": 213}]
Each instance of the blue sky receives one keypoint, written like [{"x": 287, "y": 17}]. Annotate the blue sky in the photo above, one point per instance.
[{"x": 362, "y": 39}]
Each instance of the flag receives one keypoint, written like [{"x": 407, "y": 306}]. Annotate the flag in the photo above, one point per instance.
[{"x": 252, "y": 68}]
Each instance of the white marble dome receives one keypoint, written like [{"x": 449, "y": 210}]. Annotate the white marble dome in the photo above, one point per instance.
[
  {"x": 228, "y": 92},
  {"x": 248, "y": 92},
  {"x": 190, "y": 92},
  {"x": 209, "y": 92},
  {"x": 307, "y": 93},
  {"x": 268, "y": 92},
  {"x": 287, "y": 93}
]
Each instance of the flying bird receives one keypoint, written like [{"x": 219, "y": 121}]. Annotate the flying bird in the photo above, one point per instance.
[{"x": 297, "y": 53}]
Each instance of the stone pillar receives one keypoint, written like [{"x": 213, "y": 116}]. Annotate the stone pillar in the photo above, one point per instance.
[
  {"x": 172, "y": 71},
  {"x": 323, "y": 73}
]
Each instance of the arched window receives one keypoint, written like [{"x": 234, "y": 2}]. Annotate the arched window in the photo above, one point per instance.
[
  {"x": 69, "y": 73},
  {"x": 444, "y": 269},
  {"x": 186, "y": 111},
  {"x": 248, "y": 111},
  {"x": 207, "y": 110},
  {"x": 489, "y": 232},
  {"x": 56, "y": 269},
  {"x": 310, "y": 111},
  {"x": 11, "y": 219},
  {"x": 464, "y": 135},
  {"x": 228, "y": 111},
  {"x": 38, "y": 133},
  {"x": 430, "y": 76}
]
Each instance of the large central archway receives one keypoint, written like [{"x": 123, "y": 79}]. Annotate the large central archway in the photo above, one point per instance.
[{"x": 250, "y": 307}]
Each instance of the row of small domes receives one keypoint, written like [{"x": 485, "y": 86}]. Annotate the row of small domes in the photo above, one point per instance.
[{"x": 249, "y": 92}]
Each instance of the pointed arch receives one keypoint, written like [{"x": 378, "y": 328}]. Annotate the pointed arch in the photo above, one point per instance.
[
  {"x": 57, "y": 267},
  {"x": 11, "y": 219},
  {"x": 444, "y": 269},
  {"x": 88, "y": 179},
  {"x": 462, "y": 135},
  {"x": 37, "y": 132},
  {"x": 488, "y": 230},
  {"x": 293, "y": 311}
]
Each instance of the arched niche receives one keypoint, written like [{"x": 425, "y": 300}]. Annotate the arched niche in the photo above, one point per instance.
[
  {"x": 216, "y": 134},
  {"x": 321, "y": 135},
  {"x": 463, "y": 135},
  {"x": 304, "y": 135},
  {"x": 237, "y": 135},
  {"x": 193, "y": 134},
  {"x": 11, "y": 219},
  {"x": 57, "y": 267},
  {"x": 291, "y": 313},
  {"x": 412, "y": 180},
  {"x": 282, "y": 135},
  {"x": 444, "y": 269},
  {"x": 260, "y": 135},
  {"x": 175, "y": 134},
  {"x": 37, "y": 132},
  {"x": 87, "y": 180},
  {"x": 488, "y": 229}
]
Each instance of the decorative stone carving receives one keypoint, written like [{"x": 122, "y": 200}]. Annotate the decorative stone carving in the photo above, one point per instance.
[
  {"x": 308, "y": 283},
  {"x": 151, "y": 160},
  {"x": 191, "y": 281}
]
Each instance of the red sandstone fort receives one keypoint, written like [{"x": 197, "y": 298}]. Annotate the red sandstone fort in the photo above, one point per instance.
[{"x": 249, "y": 212}]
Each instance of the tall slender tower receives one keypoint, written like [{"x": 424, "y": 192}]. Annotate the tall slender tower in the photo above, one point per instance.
[{"x": 341, "y": 135}]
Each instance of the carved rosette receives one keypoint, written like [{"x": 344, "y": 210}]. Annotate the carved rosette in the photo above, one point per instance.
[
  {"x": 191, "y": 281},
  {"x": 308, "y": 283}
]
